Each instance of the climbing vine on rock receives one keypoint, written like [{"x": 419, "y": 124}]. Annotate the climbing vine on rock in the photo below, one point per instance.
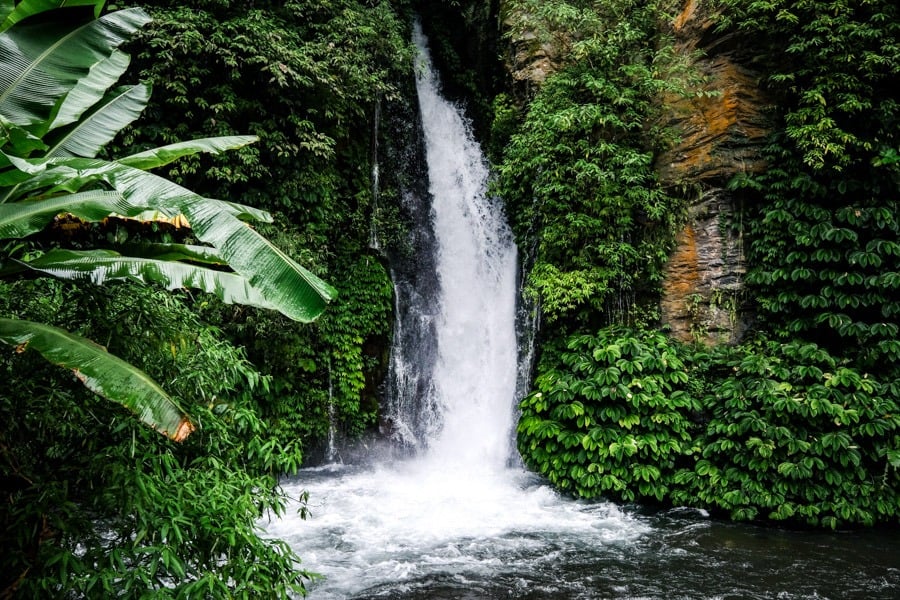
[{"x": 578, "y": 175}]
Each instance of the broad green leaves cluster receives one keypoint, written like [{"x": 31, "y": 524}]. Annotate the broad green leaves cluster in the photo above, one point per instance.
[
  {"x": 764, "y": 431},
  {"x": 795, "y": 434},
  {"x": 826, "y": 238},
  {"x": 611, "y": 416}
]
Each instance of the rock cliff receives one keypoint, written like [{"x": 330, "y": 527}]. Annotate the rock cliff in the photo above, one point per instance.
[{"x": 720, "y": 130}]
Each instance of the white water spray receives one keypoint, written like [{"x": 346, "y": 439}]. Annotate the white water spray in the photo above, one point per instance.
[
  {"x": 475, "y": 375},
  {"x": 456, "y": 510}
]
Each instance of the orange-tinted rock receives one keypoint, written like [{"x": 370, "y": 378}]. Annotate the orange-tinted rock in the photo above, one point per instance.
[{"x": 720, "y": 131}]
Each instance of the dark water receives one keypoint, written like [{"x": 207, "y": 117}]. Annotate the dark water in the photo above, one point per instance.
[
  {"x": 683, "y": 557},
  {"x": 403, "y": 533}
]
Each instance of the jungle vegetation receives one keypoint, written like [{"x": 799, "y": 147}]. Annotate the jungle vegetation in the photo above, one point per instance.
[{"x": 798, "y": 423}]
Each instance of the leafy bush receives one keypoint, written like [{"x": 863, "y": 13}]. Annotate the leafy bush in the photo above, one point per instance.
[
  {"x": 97, "y": 505},
  {"x": 311, "y": 79},
  {"x": 795, "y": 434},
  {"x": 611, "y": 415},
  {"x": 578, "y": 176}
]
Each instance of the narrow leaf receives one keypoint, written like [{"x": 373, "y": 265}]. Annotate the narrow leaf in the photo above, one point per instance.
[
  {"x": 157, "y": 157},
  {"x": 102, "y": 266},
  {"x": 102, "y": 373}
]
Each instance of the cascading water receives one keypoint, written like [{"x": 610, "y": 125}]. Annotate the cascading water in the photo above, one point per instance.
[{"x": 455, "y": 520}]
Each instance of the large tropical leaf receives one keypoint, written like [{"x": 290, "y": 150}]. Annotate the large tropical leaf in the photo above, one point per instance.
[
  {"x": 91, "y": 88},
  {"x": 102, "y": 373},
  {"x": 157, "y": 157},
  {"x": 10, "y": 13},
  {"x": 189, "y": 252},
  {"x": 291, "y": 289},
  {"x": 40, "y": 63},
  {"x": 43, "y": 179},
  {"x": 98, "y": 127},
  {"x": 6, "y": 8},
  {"x": 102, "y": 266},
  {"x": 18, "y": 219}
]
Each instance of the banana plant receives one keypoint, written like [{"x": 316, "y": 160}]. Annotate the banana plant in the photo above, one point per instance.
[{"x": 58, "y": 109}]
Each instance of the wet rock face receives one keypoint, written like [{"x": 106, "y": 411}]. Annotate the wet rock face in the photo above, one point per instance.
[
  {"x": 720, "y": 133},
  {"x": 702, "y": 292}
]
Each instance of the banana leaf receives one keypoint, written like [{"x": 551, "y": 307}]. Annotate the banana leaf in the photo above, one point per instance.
[
  {"x": 40, "y": 63},
  {"x": 161, "y": 251},
  {"x": 64, "y": 174},
  {"x": 157, "y": 157},
  {"x": 10, "y": 13},
  {"x": 102, "y": 266},
  {"x": 18, "y": 219},
  {"x": 97, "y": 128},
  {"x": 90, "y": 89},
  {"x": 291, "y": 289},
  {"x": 101, "y": 372}
]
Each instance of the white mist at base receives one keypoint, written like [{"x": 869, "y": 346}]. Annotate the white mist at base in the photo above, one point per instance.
[{"x": 456, "y": 513}]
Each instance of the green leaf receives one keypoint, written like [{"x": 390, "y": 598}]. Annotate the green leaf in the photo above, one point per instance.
[
  {"x": 91, "y": 88},
  {"x": 18, "y": 219},
  {"x": 157, "y": 157},
  {"x": 101, "y": 372},
  {"x": 9, "y": 16},
  {"x": 96, "y": 129},
  {"x": 291, "y": 289},
  {"x": 40, "y": 63},
  {"x": 201, "y": 254},
  {"x": 102, "y": 266},
  {"x": 18, "y": 141}
]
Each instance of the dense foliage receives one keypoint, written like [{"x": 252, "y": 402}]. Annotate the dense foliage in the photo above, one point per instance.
[
  {"x": 578, "y": 175},
  {"x": 96, "y": 506},
  {"x": 800, "y": 422},
  {"x": 611, "y": 415},
  {"x": 782, "y": 431},
  {"x": 309, "y": 78}
]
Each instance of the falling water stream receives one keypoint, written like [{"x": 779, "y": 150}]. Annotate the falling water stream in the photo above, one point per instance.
[{"x": 460, "y": 519}]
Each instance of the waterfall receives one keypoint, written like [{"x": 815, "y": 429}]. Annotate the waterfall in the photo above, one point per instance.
[
  {"x": 374, "y": 242},
  {"x": 474, "y": 378},
  {"x": 457, "y": 504}
]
